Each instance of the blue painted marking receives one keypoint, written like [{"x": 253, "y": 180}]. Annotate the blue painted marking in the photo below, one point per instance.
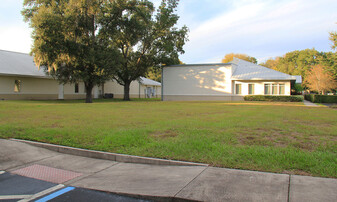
[{"x": 55, "y": 194}]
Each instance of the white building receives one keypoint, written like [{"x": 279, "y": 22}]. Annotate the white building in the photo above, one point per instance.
[
  {"x": 223, "y": 81},
  {"x": 20, "y": 78}
]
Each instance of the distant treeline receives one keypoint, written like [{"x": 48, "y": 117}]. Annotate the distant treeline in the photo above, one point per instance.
[{"x": 299, "y": 62}]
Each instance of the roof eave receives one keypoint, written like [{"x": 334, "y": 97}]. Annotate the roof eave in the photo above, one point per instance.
[
  {"x": 205, "y": 64},
  {"x": 263, "y": 79},
  {"x": 26, "y": 75}
]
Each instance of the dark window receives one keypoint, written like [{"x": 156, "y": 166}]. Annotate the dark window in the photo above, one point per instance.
[
  {"x": 238, "y": 89},
  {"x": 267, "y": 89},
  {"x": 282, "y": 89},
  {"x": 17, "y": 86},
  {"x": 76, "y": 87},
  {"x": 251, "y": 89},
  {"x": 274, "y": 91}
]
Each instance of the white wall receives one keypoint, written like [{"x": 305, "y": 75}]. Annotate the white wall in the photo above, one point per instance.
[
  {"x": 45, "y": 88},
  {"x": 208, "y": 82},
  {"x": 37, "y": 88},
  {"x": 197, "y": 80},
  {"x": 259, "y": 86}
]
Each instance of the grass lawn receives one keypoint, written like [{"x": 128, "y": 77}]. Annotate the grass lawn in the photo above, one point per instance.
[{"x": 275, "y": 137}]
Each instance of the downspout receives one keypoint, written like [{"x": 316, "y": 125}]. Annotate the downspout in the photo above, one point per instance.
[
  {"x": 139, "y": 89},
  {"x": 162, "y": 83}
]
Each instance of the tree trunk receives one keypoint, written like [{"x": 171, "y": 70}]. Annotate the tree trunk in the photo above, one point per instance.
[
  {"x": 127, "y": 91},
  {"x": 88, "y": 89}
]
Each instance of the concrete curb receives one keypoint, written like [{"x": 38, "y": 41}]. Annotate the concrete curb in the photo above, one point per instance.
[{"x": 109, "y": 156}]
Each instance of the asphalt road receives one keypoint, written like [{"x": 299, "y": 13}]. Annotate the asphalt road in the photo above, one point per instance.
[{"x": 19, "y": 188}]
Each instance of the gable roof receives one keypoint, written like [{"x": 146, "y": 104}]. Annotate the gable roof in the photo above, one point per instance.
[
  {"x": 148, "y": 82},
  {"x": 19, "y": 64},
  {"x": 249, "y": 71}
]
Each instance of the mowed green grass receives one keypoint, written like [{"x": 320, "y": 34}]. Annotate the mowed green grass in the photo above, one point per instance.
[{"x": 273, "y": 137}]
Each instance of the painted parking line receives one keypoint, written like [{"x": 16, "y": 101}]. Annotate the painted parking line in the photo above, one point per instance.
[
  {"x": 8, "y": 197},
  {"x": 56, "y": 194},
  {"x": 44, "y": 192}
]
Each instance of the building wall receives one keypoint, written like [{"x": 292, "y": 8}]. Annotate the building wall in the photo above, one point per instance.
[
  {"x": 202, "y": 98},
  {"x": 136, "y": 90},
  {"x": 44, "y": 88},
  {"x": 208, "y": 83},
  {"x": 197, "y": 80},
  {"x": 37, "y": 88}
]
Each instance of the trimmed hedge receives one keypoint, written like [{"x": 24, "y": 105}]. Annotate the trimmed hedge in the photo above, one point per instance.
[
  {"x": 321, "y": 98},
  {"x": 273, "y": 98}
]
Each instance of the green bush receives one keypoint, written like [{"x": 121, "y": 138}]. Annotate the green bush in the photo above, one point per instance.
[
  {"x": 273, "y": 98},
  {"x": 309, "y": 97},
  {"x": 321, "y": 98}
]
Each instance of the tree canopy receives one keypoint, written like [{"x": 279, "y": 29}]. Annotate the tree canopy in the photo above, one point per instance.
[
  {"x": 66, "y": 43},
  {"x": 300, "y": 62},
  {"x": 333, "y": 38},
  {"x": 143, "y": 37},
  {"x": 229, "y": 57},
  {"x": 320, "y": 80}
]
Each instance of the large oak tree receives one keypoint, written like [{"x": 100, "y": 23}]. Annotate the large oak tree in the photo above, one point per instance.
[
  {"x": 66, "y": 43},
  {"x": 144, "y": 37}
]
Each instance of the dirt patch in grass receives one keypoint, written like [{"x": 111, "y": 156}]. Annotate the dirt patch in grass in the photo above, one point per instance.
[
  {"x": 260, "y": 136},
  {"x": 280, "y": 138},
  {"x": 164, "y": 134}
]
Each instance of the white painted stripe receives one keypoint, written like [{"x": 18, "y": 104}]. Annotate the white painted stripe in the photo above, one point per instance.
[
  {"x": 2, "y": 172},
  {"x": 47, "y": 191},
  {"x": 14, "y": 197}
]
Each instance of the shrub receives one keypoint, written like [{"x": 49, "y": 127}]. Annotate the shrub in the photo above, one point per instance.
[
  {"x": 309, "y": 97},
  {"x": 273, "y": 98},
  {"x": 321, "y": 98}
]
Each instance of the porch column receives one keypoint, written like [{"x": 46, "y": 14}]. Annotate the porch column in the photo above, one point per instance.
[
  {"x": 96, "y": 92},
  {"x": 61, "y": 92}
]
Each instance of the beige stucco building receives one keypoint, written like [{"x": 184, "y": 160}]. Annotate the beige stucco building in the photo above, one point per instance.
[
  {"x": 20, "y": 78},
  {"x": 223, "y": 81}
]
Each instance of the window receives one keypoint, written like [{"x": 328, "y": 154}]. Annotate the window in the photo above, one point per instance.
[
  {"x": 76, "y": 87},
  {"x": 251, "y": 89},
  {"x": 17, "y": 86},
  {"x": 267, "y": 89},
  {"x": 274, "y": 89},
  {"x": 281, "y": 89},
  {"x": 238, "y": 89}
]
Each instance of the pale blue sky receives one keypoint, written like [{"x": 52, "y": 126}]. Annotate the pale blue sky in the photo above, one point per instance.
[{"x": 259, "y": 28}]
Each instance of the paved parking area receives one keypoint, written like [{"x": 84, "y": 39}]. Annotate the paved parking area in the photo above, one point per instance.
[{"x": 15, "y": 187}]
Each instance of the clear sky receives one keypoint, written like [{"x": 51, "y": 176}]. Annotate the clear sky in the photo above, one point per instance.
[{"x": 259, "y": 28}]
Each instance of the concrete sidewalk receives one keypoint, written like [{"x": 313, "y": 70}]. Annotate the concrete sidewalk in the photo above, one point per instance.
[
  {"x": 168, "y": 182},
  {"x": 310, "y": 104}
]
